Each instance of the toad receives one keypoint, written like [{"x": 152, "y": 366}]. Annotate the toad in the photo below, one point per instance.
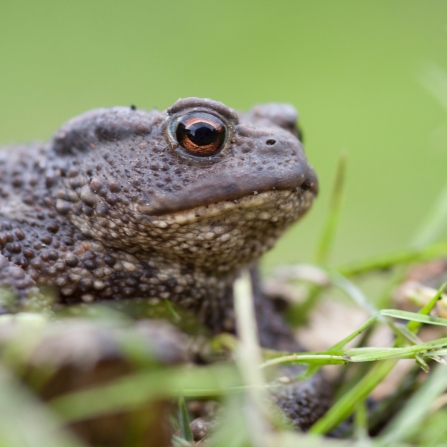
[{"x": 125, "y": 203}]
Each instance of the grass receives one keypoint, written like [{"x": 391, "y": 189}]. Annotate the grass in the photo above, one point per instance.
[{"x": 239, "y": 382}]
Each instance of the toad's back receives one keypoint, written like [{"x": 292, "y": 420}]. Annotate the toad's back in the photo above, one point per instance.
[{"x": 124, "y": 203}]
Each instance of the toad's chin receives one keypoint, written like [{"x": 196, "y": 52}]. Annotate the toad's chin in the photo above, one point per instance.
[{"x": 226, "y": 235}]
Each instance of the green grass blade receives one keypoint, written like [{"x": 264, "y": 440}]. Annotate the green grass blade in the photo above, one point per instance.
[
  {"x": 414, "y": 412},
  {"x": 25, "y": 421},
  {"x": 361, "y": 422},
  {"x": 248, "y": 359},
  {"x": 328, "y": 234},
  {"x": 435, "y": 224},
  {"x": 353, "y": 292},
  {"x": 183, "y": 417},
  {"x": 389, "y": 260},
  {"x": 415, "y": 325},
  {"x": 140, "y": 388},
  {"x": 346, "y": 405},
  {"x": 413, "y": 316}
]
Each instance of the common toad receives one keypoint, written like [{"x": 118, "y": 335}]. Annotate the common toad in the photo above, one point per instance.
[{"x": 124, "y": 203}]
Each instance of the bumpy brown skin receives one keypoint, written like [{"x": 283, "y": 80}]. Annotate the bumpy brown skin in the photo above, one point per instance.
[{"x": 113, "y": 207}]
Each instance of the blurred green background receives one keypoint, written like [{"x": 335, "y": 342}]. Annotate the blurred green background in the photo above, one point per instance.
[{"x": 356, "y": 71}]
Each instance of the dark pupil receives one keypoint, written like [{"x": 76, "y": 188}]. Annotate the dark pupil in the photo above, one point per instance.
[{"x": 202, "y": 133}]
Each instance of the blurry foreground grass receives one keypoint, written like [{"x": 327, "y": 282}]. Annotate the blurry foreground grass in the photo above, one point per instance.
[{"x": 146, "y": 378}]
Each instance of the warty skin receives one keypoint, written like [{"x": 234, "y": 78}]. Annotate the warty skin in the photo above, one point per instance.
[{"x": 114, "y": 207}]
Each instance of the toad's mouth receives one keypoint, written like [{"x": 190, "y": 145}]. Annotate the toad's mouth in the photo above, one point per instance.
[
  {"x": 225, "y": 192},
  {"x": 266, "y": 204}
]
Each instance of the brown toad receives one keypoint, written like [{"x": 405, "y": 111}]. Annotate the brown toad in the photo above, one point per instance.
[{"x": 126, "y": 203}]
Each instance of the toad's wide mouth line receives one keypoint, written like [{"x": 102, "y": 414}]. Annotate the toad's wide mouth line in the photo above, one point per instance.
[
  {"x": 226, "y": 190},
  {"x": 259, "y": 201}
]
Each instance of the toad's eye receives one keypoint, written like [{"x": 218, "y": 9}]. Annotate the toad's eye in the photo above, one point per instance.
[{"x": 200, "y": 133}]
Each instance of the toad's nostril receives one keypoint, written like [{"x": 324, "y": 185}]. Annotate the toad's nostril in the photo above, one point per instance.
[{"x": 270, "y": 142}]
